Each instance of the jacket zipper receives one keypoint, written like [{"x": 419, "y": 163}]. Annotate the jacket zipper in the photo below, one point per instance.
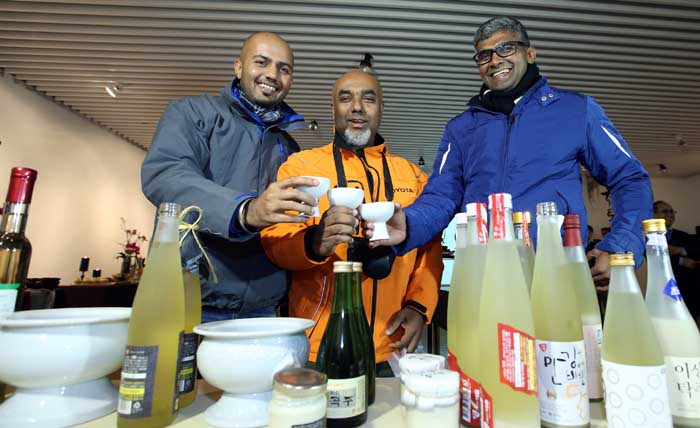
[{"x": 510, "y": 121}]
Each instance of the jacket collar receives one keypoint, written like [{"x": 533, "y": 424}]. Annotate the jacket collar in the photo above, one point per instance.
[
  {"x": 378, "y": 147},
  {"x": 290, "y": 121},
  {"x": 540, "y": 92}
]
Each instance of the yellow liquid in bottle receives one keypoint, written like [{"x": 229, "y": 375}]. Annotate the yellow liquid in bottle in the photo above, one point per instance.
[
  {"x": 456, "y": 292},
  {"x": 468, "y": 310},
  {"x": 504, "y": 300},
  {"x": 628, "y": 336},
  {"x": 157, "y": 319},
  {"x": 193, "y": 317}
]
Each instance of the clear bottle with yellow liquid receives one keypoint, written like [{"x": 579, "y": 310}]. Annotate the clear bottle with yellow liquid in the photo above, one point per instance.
[
  {"x": 674, "y": 327},
  {"x": 507, "y": 366},
  {"x": 467, "y": 306},
  {"x": 148, "y": 393},
  {"x": 526, "y": 251},
  {"x": 187, "y": 376},
  {"x": 561, "y": 354},
  {"x": 588, "y": 303},
  {"x": 456, "y": 289},
  {"x": 634, "y": 373}
]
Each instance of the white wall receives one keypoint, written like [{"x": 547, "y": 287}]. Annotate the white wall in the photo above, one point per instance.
[{"x": 88, "y": 179}]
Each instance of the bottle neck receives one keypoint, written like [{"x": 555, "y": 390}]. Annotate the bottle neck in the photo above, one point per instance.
[
  {"x": 501, "y": 227},
  {"x": 14, "y": 218},
  {"x": 576, "y": 254},
  {"x": 657, "y": 254},
  {"x": 623, "y": 280},
  {"x": 342, "y": 292},
  {"x": 462, "y": 233},
  {"x": 166, "y": 228},
  {"x": 572, "y": 236}
]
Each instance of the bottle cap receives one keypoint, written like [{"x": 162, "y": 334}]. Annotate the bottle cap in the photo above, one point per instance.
[
  {"x": 461, "y": 218},
  {"x": 300, "y": 382},
  {"x": 169, "y": 209},
  {"x": 622, "y": 259},
  {"x": 474, "y": 207},
  {"x": 518, "y": 217},
  {"x": 654, "y": 225},
  {"x": 430, "y": 389},
  {"x": 21, "y": 185},
  {"x": 505, "y": 198},
  {"x": 357, "y": 266},
  {"x": 547, "y": 208},
  {"x": 527, "y": 217},
  {"x": 420, "y": 363},
  {"x": 342, "y": 267},
  {"x": 572, "y": 221}
]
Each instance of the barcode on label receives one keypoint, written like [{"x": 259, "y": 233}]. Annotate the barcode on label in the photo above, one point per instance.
[
  {"x": 124, "y": 407},
  {"x": 181, "y": 386}
]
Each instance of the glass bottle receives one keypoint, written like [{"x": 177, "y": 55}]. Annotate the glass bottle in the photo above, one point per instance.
[
  {"x": 15, "y": 249},
  {"x": 526, "y": 251},
  {"x": 359, "y": 307},
  {"x": 580, "y": 274},
  {"x": 342, "y": 356},
  {"x": 298, "y": 399},
  {"x": 675, "y": 328},
  {"x": 507, "y": 366},
  {"x": 561, "y": 354},
  {"x": 187, "y": 377},
  {"x": 456, "y": 289},
  {"x": 148, "y": 393},
  {"x": 634, "y": 374},
  {"x": 470, "y": 279}
]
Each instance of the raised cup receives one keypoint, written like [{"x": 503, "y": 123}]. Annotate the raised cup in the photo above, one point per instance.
[
  {"x": 377, "y": 213},
  {"x": 316, "y": 191}
]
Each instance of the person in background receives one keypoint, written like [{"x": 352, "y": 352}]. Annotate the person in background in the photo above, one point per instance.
[
  {"x": 522, "y": 136},
  {"x": 222, "y": 153},
  {"x": 400, "y": 296},
  {"x": 685, "y": 253}
]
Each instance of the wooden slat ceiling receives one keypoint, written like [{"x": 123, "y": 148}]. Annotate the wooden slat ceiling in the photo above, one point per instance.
[{"x": 640, "y": 59}]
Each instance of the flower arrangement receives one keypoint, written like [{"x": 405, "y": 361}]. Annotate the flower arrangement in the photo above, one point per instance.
[{"x": 132, "y": 262}]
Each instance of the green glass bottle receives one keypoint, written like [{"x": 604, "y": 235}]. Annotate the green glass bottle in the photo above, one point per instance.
[
  {"x": 342, "y": 356},
  {"x": 362, "y": 317}
]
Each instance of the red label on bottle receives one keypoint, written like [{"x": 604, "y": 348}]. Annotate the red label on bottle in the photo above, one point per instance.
[
  {"x": 498, "y": 218},
  {"x": 518, "y": 362},
  {"x": 526, "y": 234},
  {"x": 481, "y": 222},
  {"x": 470, "y": 392},
  {"x": 486, "y": 410}
]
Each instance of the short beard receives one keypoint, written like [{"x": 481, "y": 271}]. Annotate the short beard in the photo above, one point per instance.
[{"x": 358, "y": 139}]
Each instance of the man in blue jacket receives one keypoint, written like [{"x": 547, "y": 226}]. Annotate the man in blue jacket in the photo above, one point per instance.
[
  {"x": 521, "y": 136},
  {"x": 222, "y": 153}
]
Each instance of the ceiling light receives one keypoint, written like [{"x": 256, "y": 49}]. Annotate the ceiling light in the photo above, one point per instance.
[
  {"x": 313, "y": 125},
  {"x": 663, "y": 168},
  {"x": 366, "y": 64},
  {"x": 113, "y": 89},
  {"x": 421, "y": 161}
]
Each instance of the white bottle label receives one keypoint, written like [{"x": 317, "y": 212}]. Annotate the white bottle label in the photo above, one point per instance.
[
  {"x": 683, "y": 376},
  {"x": 593, "y": 339},
  {"x": 636, "y": 396},
  {"x": 8, "y": 298},
  {"x": 346, "y": 397},
  {"x": 561, "y": 374}
]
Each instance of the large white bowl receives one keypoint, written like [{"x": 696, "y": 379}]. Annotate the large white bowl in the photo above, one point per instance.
[
  {"x": 241, "y": 357},
  {"x": 59, "y": 359}
]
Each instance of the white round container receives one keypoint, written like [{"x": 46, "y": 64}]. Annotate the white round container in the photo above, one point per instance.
[
  {"x": 298, "y": 399},
  {"x": 430, "y": 399},
  {"x": 421, "y": 363}
]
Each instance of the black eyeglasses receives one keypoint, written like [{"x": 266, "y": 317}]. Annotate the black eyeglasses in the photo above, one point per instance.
[{"x": 503, "y": 50}]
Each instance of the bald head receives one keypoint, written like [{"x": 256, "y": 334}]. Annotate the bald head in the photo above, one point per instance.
[
  {"x": 357, "y": 107},
  {"x": 265, "y": 68}
]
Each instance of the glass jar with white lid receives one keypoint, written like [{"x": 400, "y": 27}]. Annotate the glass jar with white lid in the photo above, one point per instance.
[
  {"x": 298, "y": 399},
  {"x": 430, "y": 399}
]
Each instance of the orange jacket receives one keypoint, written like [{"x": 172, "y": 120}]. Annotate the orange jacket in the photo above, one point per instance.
[{"x": 415, "y": 277}]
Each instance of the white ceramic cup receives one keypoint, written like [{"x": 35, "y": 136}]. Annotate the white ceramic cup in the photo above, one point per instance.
[
  {"x": 377, "y": 213},
  {"x": 316, "y": 191}
]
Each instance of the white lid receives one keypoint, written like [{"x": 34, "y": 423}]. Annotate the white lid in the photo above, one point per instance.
[
  {"x": 471, "y": 209},
  {"x": 419, "y": 363},
  {"x": 507, "y": 200},
  {"x": 430, "y": 389},
  {"x": 461, "y": 218}
]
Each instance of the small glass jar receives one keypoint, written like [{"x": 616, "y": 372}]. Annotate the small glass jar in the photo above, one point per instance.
[
  {"x": 421, "y": 363},
  {"x": 298, "y": 399},
  {"x": 430, "y": 399}
]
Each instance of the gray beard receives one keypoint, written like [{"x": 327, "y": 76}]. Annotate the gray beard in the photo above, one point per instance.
[{"x": 358, "y": 139}]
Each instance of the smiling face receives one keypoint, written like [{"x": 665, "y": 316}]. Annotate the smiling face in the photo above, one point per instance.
[
  {"x": 265, "y": 69},
  {"x": 357, "y": 107},
  {"x": 504, "y": 74}
]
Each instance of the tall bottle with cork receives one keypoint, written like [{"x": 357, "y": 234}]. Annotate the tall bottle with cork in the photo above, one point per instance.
[
  {"x": 359, "y": 308},
  {"x": 634, "y": 373},
  {"x": 580, "y": 274},
  {"x": 561, "y": 355},
  {"x": 471, "y": 276},
  {"x": 675, "y": 328},
  {"x": 148, "y": 393},
  {"x": 342, "y": 356},
  {"x": 456, "y": 289},
  {"x": 15, "y": 249},
  {"x": 526, "y": 250},
  {"x": 507, "y": 366}
]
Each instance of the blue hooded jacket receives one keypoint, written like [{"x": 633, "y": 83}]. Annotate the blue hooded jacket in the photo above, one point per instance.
[{"x": 534, "y": 154}]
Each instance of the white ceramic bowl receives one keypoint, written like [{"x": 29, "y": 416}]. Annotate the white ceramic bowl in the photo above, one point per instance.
[
  {"x": 377, "y": 213},
  {"x": 241, "y": 357},
  {"x": 346, "y": 196},
  {"x": 59, "y": 359},
  {"x": 316, "y": 191}
]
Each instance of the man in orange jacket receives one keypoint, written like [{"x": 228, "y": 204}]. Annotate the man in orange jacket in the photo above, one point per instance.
[{"x": 396, "y": 306}]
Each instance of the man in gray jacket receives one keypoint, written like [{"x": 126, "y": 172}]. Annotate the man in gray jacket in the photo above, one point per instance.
[{"x": 222, "y": 153}]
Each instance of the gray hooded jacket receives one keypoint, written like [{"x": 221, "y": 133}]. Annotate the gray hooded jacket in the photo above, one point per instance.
[{"x": 210, "y": 151}]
